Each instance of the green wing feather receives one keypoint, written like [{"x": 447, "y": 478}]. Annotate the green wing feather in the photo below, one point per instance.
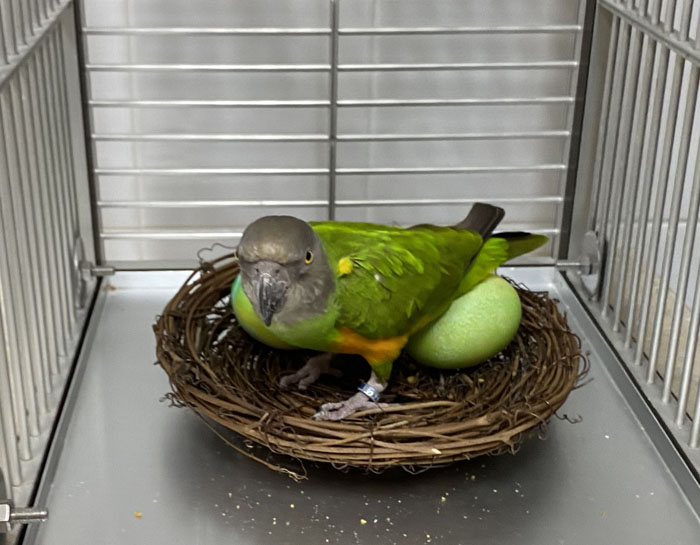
[
  {"x": 399, "y": 277},
  {"x": 498, "y": 249}
]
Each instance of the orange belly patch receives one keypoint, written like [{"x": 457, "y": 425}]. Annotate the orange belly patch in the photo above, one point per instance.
[{"x": 373, "y": 350}]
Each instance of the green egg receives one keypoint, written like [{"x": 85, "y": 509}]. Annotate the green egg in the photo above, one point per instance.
[{"x": 477, "y": 326}]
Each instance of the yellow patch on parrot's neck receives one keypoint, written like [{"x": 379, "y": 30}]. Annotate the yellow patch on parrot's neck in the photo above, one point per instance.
[{"x": 344, "y": 266}]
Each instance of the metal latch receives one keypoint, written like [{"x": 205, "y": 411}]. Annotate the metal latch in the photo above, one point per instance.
[
  {"x": 83, "y": 271},
  {"x": 9, "y": 514},
  {"x": 589, "y": 266}
]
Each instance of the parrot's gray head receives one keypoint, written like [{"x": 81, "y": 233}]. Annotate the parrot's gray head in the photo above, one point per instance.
[{"x": 284, "y": 270}]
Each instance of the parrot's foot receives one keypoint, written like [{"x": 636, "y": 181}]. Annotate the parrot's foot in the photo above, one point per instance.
[
  {"x": 307, "y": 375},
  {"x": 343, "y": 409},
  {"x": 358, "y": 402}
]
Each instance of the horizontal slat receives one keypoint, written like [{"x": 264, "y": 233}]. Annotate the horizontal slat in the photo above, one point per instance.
[
  {"x": 209, "y": 103},
  {"x": 122, "y": 67},
  {"x": 418, "y": 67},
  {"x": 226, "y": 234},
  {"x": 394, "y": 31},
  {"x": 348, "y": 103},
  {"x": 210, "y": 137},
  {"x": 312, "y": 171},
  {"x": 307, "y": 203},
  {"x": 505, "y": 135},
  {"x": 374, "y": 67},
  {"x": 449, "y": 170},
  {"x": 281, "y": 31},
  {"x": 507, "y": 101},
  {"x": 208, "y": 171},
  {"x": 205, "y": 31}
]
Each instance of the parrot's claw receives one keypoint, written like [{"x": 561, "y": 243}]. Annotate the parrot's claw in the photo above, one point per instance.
[
  {"x": 307, "y": 375},
  {"x": 343, "y": 409}
]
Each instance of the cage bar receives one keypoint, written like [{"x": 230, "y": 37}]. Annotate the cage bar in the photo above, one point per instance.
[
  {"x": 632, "y": 171},
  {"x": 684, "y": 147},
  {"x": 620, "y": 164},
  {"x": 648, "y": 158},
  {"x": 673, "y": 88}
]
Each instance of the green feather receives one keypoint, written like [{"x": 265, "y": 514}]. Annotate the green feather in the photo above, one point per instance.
[
  {"x": 414, "y": 273},
  {"x": 498, "y": 249}
]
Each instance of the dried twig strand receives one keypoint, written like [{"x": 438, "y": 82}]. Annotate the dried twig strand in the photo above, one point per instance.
[{"x": 219, "y": 372}]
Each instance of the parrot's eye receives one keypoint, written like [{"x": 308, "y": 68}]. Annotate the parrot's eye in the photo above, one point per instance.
[{"x": 309, "y": 257}]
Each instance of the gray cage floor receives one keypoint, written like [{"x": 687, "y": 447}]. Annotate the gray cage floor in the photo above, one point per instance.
[{"x": 125, "y": 452}]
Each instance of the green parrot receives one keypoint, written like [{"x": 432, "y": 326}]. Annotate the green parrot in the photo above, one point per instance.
[{"x": 360, "y": 288}]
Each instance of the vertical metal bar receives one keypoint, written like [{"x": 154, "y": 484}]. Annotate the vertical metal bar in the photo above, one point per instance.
[
  {"x": 64, "y": 112},
  {"x": 632, "y": 179},
  {"x": 10, "y": 28},
  {"x": 67, "y": 227},
  {"x": 333, "y": 111},
  {"x": 35, "y": 218},
  {"x": 20, "y": 22},
  {"x": 3, "y": 47},
  {"x": 37, "y": 15},
  {"x": 624, "y": 132},
  {"x": 655, "y": 12},
  {"x": 613, "y": 125},
  {"x": 9, "y": 434},
  {"x": 23, "y": 396},
  {"x": 27, "y": 248},
  {"x": 53, "y": 183},
  {"x": 664, "y": 172},
  {"x": 670, "y": 15},
  {"x": 649, "y": 153},
  {"x": 686, "y": 12},
  {"x": 613, "y": 55},
  {"x": 644, "y": 8},
  {"x": 669, "y": 249},
  {"x": 572, "y": 150},
  {"x": 692, "y": 343},
  {"x": 689, "y": 240},
  {"x": 44, "y": 214}
]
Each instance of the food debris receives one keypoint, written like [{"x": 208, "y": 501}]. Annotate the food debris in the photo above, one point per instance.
[
  {"x": 238, "y": 506},
  {"x": 363, "y": 521},
  {"x": 291, "y": 506},
  {"x": 138, "y": 514},
  {"x": 443, "y": 499},
  {"x": 412, "y": 379},
  {"x": 230, "y": 494},
  {"x": 473, "y": 477}
]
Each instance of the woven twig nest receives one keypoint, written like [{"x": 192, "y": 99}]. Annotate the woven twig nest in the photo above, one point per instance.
[{"x": 218, "y": 371}]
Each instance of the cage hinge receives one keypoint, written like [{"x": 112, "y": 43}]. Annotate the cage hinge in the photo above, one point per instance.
[
  {"x": 10, "y": 515},
  {"x": 589, "y": 265}
]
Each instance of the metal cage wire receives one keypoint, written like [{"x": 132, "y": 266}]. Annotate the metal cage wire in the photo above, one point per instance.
[
  {"x": 364, "y": 115},
  {"x": 43, "y": 185},
  {"x": 644, "y": 205}
]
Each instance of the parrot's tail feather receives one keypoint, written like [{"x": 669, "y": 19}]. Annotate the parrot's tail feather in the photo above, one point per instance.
[
  {"x": 520, "y": 243},
  {"x": 482, "y": 218}
]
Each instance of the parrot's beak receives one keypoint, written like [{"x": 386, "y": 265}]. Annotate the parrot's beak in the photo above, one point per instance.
[{"x": 272, "y": 292}]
